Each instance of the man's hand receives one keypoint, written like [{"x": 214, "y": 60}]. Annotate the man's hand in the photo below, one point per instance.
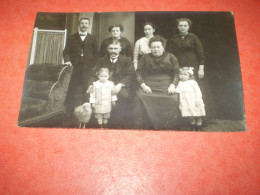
[
  {"x": 68, "y": 63},
  {"x": 146, "y": 88},
  {"x": 117, "y": 88},
  {"x": 171, "y": 89},
  {"x": 201, "y": 72},
  {"x": 90, "y": 89}
]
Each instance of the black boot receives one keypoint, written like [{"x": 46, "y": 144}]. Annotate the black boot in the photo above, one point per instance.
[
  {"x": 105, "y": 126},
  {"x": 100, "y": 126}
]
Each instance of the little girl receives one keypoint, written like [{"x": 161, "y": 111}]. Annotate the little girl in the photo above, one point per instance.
[
  {"x": 101, "y": 98},
  {"x": 191, "y": 103}
]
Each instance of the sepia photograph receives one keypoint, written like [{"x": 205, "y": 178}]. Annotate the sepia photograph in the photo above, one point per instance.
[{"x": 134, "y": 70}]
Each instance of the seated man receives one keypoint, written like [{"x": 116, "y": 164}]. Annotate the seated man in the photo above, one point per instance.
[{"x": 122, "y": 74}]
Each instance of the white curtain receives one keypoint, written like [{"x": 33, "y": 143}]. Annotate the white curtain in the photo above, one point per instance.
[{"x": 49, "y": 47}]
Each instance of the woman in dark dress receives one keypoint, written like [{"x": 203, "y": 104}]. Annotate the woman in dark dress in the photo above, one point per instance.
[
  {"x": 116, "y": 31},
  {"x": 156, "y": 104},
  {"x": 188, "y": 49}
]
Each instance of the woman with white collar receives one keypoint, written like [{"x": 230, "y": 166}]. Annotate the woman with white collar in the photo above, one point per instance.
[{"x": 141, "y": 45}]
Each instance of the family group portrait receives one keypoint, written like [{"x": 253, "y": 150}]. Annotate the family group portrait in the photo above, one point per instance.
[{"x": 134, "y": 70}]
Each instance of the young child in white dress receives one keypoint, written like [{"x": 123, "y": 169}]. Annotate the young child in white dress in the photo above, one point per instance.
[
  {"x": 101, "y": 99},
  {"x": 191, "y": 102}
]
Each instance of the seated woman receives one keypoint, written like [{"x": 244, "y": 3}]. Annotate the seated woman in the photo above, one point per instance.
[
  {"x": 116, "y": 31},
  {"x": 156, "y": 103},
  {"x": 141, "y": 45}
]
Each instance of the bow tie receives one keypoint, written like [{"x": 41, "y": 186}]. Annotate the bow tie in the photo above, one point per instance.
[{"x": 82, "y": 34}]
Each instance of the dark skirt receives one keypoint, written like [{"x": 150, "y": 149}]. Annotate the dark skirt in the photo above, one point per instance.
[{"x": 161, "y": 109}]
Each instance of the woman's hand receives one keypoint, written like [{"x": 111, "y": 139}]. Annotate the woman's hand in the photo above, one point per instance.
[
  {"x": 146, "y": 88},
  {"x": 201, "y": 72},
  {"x": 171, "y": 89}
]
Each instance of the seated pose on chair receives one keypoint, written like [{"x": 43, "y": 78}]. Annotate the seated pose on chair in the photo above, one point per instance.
[
  {"x": 121, "y": 74},
  {"x": 156, "y": 105}
]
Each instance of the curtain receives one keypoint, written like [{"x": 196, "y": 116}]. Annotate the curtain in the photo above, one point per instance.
[
  {"x": 49, "y": 47},
  {"x": 72, "y": 23},
  {"x": 95, "y": 27}
]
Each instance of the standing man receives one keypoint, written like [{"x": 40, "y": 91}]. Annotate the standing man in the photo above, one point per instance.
[
  {"x": 122, "y": 73},
  {"x": 80, "y": 52}
]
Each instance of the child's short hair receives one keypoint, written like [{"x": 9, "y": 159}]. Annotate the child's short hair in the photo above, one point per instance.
[
  {"x": 188, "y": 70},
  {"x": 101, "y": 70}
]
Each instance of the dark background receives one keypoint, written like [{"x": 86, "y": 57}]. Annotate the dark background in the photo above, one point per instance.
[
  {"x": 216, "y": 30},
  {"x": 50, "y": 21}
]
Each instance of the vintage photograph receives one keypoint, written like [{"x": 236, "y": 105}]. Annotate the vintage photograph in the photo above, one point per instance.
[{"x": 134, "y": 70}]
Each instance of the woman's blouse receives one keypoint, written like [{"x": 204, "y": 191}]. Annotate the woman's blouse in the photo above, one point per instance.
[
  {"x": 165, "y": 64},
  {"x": 188, "y": 50},
  {"x": 141, "y": 47}
]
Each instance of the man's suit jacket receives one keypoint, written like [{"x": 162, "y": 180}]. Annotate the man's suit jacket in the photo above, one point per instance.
[
  {"x": 75, "y": 47},
  {"x": 124, "y": 70}
]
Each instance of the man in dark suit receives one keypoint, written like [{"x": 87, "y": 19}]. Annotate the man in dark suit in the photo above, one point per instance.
[
  {"x": 80, "y": 52},
  {"x": 121, "y": 73}
]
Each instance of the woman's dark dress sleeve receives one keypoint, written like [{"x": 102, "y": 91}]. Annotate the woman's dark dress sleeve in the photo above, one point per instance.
[{"x": 189, "y": 50}]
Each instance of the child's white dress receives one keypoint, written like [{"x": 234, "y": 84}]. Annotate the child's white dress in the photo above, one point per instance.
[
  {"x": 191, "y": 102},
  {"x": 102, "y": 96}
]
